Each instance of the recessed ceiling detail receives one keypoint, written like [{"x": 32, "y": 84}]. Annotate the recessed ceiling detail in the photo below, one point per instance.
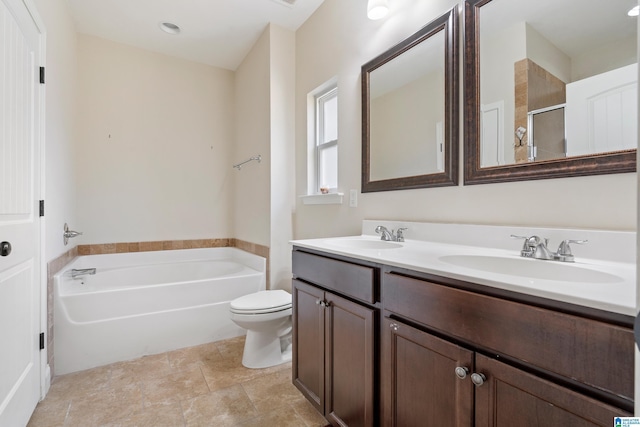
[{"x": 169, "y": 27}]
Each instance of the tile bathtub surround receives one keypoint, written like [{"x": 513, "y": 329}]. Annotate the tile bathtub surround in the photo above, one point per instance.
[
  {"x": 161, "y": 245},
  {"x": 204, "y": 385},
  {"x": 167, "y": 245}
]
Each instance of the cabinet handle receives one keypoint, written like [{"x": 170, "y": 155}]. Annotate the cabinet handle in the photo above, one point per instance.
[
  {"x": 394, "y": 327},
  {"x": 461, "y": 372},
  {"x": 478, "y": 379},
  {"x": 319, "y": 302}
]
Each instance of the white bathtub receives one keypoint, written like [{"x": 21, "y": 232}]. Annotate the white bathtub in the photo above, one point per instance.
[{"x": 148, "y": 302}]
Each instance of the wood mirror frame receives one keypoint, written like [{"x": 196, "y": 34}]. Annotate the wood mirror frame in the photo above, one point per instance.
[
  {"x": 448, "y": 23},
  {"x": 595, "y": 164}
]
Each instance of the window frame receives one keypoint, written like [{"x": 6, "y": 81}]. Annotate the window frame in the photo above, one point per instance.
[{"x": 320, "y": 99}]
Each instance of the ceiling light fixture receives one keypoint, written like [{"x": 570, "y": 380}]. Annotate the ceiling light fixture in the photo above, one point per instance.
[
  {"x": 634, "y": 12},
  {"x": 169, "y": 28},
  {"x": 377, "y": 9}
]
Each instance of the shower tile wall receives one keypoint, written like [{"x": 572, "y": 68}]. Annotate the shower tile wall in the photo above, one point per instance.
[{"x": 57, "y": 264}]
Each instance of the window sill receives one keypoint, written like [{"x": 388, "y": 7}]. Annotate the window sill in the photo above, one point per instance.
[{"x": 323, "y": 199}]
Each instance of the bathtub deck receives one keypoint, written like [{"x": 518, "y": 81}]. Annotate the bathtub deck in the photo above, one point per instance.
[{"x": 204, "y": 385}]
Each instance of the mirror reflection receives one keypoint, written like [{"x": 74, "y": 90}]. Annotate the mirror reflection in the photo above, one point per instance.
[
  {"x": 558, "y": 79},
  {"x": 410, "y": 111},
  {"x": 406, "y": 108}
]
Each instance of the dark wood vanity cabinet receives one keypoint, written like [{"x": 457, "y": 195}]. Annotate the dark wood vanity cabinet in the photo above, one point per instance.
[
  {"x": 378, "y": 345},
  {"x": 511, "y": 396},
  {"x": 428, "y": 379},
  {"x": 419, "y": 384},
  {"x": 334, "y": 339},
  {"x": 443, "y": 350}
]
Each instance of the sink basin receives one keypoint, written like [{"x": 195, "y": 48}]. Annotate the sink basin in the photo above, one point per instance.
[
  {"x": 364, "y": 244},
  {"x": 531, "y": 268}
]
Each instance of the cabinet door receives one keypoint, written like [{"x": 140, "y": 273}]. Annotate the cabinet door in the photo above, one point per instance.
[
  {"x": 420, "y": 385},
  {"x": 350, "y": 362},
  {"x": 308, "y": 342},
  {"x": 511, "y": 397}
]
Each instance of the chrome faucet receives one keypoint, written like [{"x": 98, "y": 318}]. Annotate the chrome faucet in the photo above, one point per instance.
[
  {"x": 69, "y": 234},
  {"x": 82, "y": 272},
  {"x": 536, "y": 247},
  {"x": 564, "y": 250},
  {"x": 391, "y": 236}
]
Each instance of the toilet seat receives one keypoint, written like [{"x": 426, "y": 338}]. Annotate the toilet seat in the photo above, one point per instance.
[{"x": 262, "y": 302}]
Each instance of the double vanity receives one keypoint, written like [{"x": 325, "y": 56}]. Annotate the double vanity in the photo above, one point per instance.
[
  {"x": 462, "y": 325},
  {"x": 457, "y": 325}
]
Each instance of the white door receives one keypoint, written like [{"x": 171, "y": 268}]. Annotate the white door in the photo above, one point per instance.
[
  {"x": 492, "y": 134},
  {"x": 602, "y": 112},
  {"x": 20, "y": 368}
]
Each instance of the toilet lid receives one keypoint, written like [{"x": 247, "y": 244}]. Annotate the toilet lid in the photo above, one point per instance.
[{"x": 263, "y": 301}]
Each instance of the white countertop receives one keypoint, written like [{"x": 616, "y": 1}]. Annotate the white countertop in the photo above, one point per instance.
[{"x": 610, "y": 287}]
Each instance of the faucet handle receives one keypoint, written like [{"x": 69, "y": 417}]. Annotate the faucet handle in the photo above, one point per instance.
[
  {"x": 534, "y": 247},
  {"x": 564, "y": 250},
  {"x": 527, "y": 249},
  {"x": 384, "y": 233},
  {"x": 399, "y": 234},
  {"x": 525, "y": 238}
]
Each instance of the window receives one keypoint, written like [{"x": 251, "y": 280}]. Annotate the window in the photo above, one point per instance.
[{"x": 325, "y": 149}]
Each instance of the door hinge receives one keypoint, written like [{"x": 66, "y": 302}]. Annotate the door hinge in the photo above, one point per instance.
[
  {"x": 41, "y": 340},
  {"x": 41, "y": 207},
  {"x": 41, "y": 75}
]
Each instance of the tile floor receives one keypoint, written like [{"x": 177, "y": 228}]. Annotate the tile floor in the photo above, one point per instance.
[{"x": 197, "y": 386}]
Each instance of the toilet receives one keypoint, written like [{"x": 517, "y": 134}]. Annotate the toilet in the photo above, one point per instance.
[{"x": 266, "y": 315}]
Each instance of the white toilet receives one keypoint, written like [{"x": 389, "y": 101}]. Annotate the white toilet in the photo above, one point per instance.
[{"x": 266, "y": 315}]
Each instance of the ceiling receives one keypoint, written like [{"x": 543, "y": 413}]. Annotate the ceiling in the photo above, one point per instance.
[{"x": 214, "y": 32}]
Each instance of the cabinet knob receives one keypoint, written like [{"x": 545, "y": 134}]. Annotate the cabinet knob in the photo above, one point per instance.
[
  {"x": 320, "y": 303},
  {"x": 478, "y": 379},
  {"x": 461, "y": 372},
  {"x": 394, "y": 326}
]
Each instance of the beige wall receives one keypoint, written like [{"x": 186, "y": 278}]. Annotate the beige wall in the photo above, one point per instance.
[
  {"x": 154, "y": 140},
  {"x": 60, "y": 89},
  {"x": 596, "y": 61},
  {"x": 547, "y": 55},
  {"x": 264, "y": 192},
  {"x": 252, "y": 137},
  {"x": 282, "y": 192},
  {"x": 164, "y": 116},
  {"x": 336, "y": 41},
  {"x": 501, "y": 51},
  {"x": 403, "y": 135}
]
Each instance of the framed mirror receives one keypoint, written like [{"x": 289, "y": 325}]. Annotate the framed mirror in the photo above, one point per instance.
[
  {"x": 550, "y": 89},
  {"x": 410, "y": 111}
]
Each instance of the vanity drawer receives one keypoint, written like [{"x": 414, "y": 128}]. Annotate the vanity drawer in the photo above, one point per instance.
[
  {"x": 353, "y": 280},
  {"x": 592, "y": 352}
]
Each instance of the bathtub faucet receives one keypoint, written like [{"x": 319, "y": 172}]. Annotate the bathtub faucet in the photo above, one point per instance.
[{"x": 82, "y": 271}]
